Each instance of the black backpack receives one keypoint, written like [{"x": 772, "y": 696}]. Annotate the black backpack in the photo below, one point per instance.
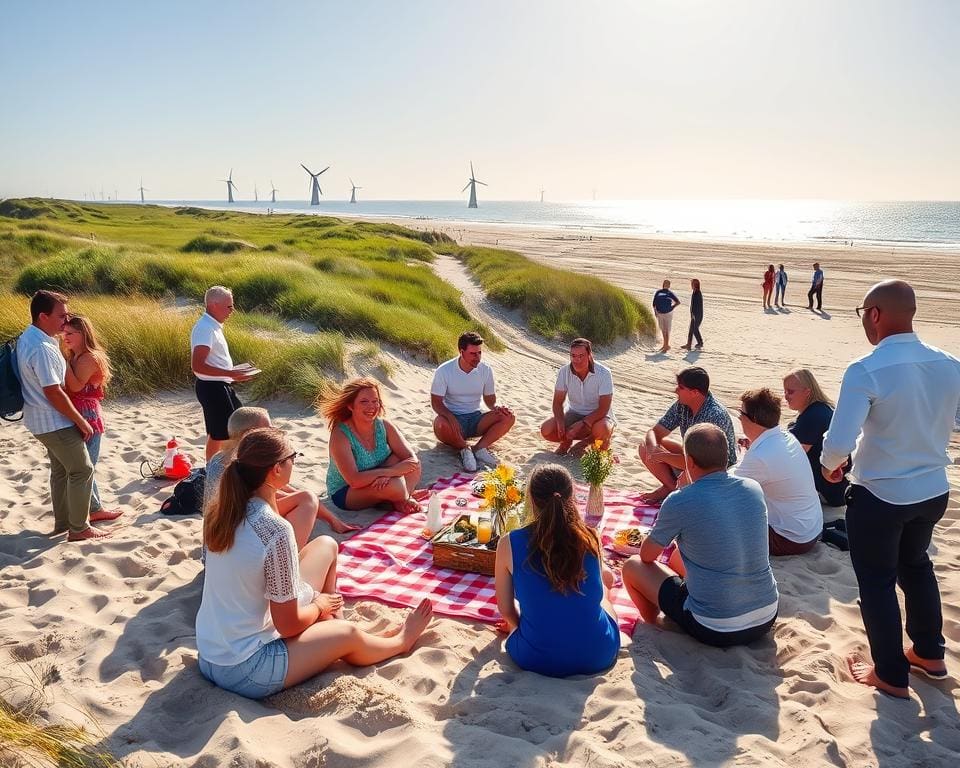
[
  {"x": 187, "y": 496},
  {"x": 11, "y": 393}
]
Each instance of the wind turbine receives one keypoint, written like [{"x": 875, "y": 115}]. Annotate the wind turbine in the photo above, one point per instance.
[
  {"x": 315, "y": 190},
  {"x": 472, "y": 183},
  {"x": 273, "y": 192},
  {"x": 142, "y": 190},
  {"x": 353, "y": 191},
  {"x": 230, "y": 186}
]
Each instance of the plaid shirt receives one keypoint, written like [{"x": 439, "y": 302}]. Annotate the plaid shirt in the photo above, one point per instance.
[
  {"x": 41, "y": 364},
  {"x": 711, "y": 412}
]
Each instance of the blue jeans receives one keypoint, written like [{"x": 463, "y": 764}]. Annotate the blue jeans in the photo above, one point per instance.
[
  {"x": 93, "y": 448},
  {"x": 259, "y": 676}
]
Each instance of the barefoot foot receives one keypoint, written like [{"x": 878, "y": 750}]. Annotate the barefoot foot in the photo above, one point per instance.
[
  {"x": 330, "y": 605},
  {"x": 102, "y": 515},
  {"x": 563, "y": 448},
  {"x": 865, "y": 674},
  {"x": 416, "y": 621},
  {"x": 87, "y": 534},
  {"x": 339, "y": 526}
]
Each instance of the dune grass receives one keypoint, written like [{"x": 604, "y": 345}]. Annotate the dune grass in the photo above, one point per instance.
[
  {"x": 149, "y": 349},
  {"x": 556, "y": 303}
]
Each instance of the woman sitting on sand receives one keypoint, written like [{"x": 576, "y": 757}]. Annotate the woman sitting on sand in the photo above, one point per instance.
[
  {"x": 768, "y": 286},
  {"x": 370, "y": 461},
  {"x": 269, "y": 618},
  {"x": 88, "y": 373},
  {"x": 566, "y": 624},
  {"x": 803, "y": 394}
]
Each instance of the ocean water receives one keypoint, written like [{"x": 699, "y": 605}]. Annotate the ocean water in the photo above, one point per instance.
[{"x": 926, "y": 223}]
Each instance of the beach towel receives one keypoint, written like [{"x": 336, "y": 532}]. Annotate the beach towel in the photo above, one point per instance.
[{"x": 390, "y": 561}]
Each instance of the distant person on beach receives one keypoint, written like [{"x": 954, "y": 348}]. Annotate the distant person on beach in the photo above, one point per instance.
[
  {"x": 588, "y": 388},
  {"x": 780, "y": 282},
  {"x": 88, "y": 373},
  {"x": 895, "y": 408},
  {"x": 212, "y": 365},
  {"x": 816, "y": 288},
  {"x": 727, "y": 594},
  {"x": 459, "y": 386},
  {"x": 51, "y": 418},
  {"x": 300, "y": 508},
  {"x": 552, "y": 568},
  {"x": 270, "y": 616},
  {"x": 664, "y": 302},
  {"x": 768, "y": 278},
  {"x": 663, "y": 455},
  {"x": 370, "y": 460},
  {"x": 776, "y": 460},
  {"x": 696, "y": 316},
  {"x": 815, "y": 410}
]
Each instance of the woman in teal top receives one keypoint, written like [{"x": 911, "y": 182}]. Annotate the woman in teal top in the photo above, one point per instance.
[
  {"x": 566, "y": 624},
  {"x": 370, "y": 461}
]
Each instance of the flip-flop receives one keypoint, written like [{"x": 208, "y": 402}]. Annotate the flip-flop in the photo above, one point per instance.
[{"x": 929, "y": 673}]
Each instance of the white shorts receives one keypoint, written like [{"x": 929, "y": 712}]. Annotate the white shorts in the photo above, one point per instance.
[{"x": 665, "y": 320}]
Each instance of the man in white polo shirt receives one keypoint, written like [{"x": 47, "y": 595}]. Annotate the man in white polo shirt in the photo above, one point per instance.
[
  {"x": 212, "y": 365},
  {"x": 52, "y": 418},
  {"x": 458, "y": 387},
  {"x": 588, "y": 388},
  {"x": 777, "y": 461}
]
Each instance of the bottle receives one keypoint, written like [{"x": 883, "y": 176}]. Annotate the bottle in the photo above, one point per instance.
[{"x": 434, "y": 514}]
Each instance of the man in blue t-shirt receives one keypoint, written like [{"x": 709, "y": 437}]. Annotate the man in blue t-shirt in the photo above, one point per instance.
[
  {"x": 664, "y": 302},
  {"x": 722, "y": 591}
]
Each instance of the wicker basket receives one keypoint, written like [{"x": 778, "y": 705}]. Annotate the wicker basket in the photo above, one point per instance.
[{"x": 476, "y": 558}]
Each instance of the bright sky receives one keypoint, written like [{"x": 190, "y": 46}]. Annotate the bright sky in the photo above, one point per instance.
[{"x": 854, "y": 99}]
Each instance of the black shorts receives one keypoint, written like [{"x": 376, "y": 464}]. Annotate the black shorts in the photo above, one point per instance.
[
  {"x": 218, "y": 401},
  {"x": 672, "y": 596}
]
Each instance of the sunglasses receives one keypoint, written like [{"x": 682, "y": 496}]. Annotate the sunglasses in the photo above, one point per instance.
[{"x": 292, "y": 458}]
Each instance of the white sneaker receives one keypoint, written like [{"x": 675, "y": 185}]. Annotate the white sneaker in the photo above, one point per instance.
[
  {"x": 485, "y": 457},
  {"x": 468, "y": 460}
]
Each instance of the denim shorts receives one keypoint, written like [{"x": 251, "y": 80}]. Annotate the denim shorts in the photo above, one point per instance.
[
  {"x": 259, "y": 676},
  {"x": 469, "y": 422}
]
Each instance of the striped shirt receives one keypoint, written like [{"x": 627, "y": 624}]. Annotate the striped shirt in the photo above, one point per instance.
[{"x": 40, "y": 364}]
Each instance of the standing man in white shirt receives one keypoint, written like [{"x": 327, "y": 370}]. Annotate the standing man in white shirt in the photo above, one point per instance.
[
  {"x": 212, "y": 365},
  {"x": 458, "y": 387},
  {"x": 52, "y": 418},
  {"x": 588, "y": 386},
  {"x": 899, "y": 401}
]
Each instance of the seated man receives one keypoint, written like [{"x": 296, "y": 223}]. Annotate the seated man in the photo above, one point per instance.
[
  {"x": 728, "y": 595},
  {"x": 458, "y": 387},
  {"x": 663, "y": 455},
  {"x": 777, "y": 461},
  {"x": 588, "y": 385}
]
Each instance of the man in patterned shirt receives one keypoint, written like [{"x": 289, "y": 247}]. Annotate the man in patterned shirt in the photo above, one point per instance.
[{"x": 662, "y": 454}]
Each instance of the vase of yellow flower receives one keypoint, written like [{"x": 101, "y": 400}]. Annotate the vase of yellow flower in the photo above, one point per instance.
[
  {"x": 502, "y": 494},
  {"x": 597, "y": 464}
]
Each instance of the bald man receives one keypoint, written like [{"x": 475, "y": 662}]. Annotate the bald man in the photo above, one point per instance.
[{"x": 899, "y": 400}]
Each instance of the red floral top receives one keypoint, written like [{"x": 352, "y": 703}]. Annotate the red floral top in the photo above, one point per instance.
[{"x": 87, "y": 402}]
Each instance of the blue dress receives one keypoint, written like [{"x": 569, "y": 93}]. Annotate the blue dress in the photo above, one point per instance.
[{"x": 559, "y": 635}]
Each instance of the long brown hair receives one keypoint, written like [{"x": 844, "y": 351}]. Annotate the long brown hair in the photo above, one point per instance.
[
  {"x": 84, "y": 327},
  {"x": 335, "y": 403},
  {"x": 258, "y": 452},
  {"x": 558, "y": 533}
]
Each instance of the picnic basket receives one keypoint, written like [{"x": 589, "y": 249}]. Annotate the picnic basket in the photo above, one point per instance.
[{"x": 476, "y": 558}]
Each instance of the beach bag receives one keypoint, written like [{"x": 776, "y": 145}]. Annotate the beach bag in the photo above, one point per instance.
[
  {"x": 11, "y": 393},
  {"x": 187, "y": 496}
]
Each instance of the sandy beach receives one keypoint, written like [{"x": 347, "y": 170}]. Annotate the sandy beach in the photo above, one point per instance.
[{"x": 116, "y": 618}]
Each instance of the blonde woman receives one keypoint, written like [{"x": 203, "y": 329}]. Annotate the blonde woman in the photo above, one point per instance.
[
  {"x": 370, "y": 461},
  {"x": 814, "y": 412},
  {"x": 88, "y": 373}
]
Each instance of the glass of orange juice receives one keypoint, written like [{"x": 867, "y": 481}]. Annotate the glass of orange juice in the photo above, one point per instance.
[{"x": 484, "y": 529}]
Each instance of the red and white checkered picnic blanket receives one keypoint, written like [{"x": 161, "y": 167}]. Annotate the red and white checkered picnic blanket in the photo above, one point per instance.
[{"x": 390, "y": 561}]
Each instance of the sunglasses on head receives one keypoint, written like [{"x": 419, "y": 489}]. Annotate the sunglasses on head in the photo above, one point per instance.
[{"x": 292, "y": 458}]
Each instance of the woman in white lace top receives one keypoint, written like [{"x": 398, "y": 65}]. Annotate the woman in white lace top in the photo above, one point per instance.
[{"x": 270, "y": 616}]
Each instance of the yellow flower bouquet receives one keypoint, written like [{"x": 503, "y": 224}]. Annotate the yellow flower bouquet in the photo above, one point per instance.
[
  {"x": 597, "y": 464},
  {"x": 502, "y": 493}
]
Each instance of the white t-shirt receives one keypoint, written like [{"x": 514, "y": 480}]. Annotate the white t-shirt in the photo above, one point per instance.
[
  {"x": 207, "y": 332},
  {"x": 40, "y": 364},
  {"x": 778, "y": 462},
  {"x": 234, "y": 620},
  {"x": 584, "y": 396},
  {"x": 462, "y": 392}
]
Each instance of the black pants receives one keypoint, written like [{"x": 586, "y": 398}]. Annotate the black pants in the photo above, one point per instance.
[
  {"x": 888, "y": 546},
  {"x": 695, "y": 330},
  {"x": 817, "y": 291}
]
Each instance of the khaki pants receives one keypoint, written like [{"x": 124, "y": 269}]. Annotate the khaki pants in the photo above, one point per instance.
[{"x": 71, "y": 478}]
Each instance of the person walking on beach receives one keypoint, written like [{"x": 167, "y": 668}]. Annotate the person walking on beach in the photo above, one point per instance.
[
  {"x": 895, "y": 407},
  {"x": 51, "y": 418},
  {"x": 696, "y": 316},
  {"x": 588, "y": 387},
  {"x": 768, "y": 278},
  {"x": 459, "y": 385},
  {"x": 664, "y": 302},
  {"x": 816, "y": 288},
  {"x": 780, "y": 283},
  {"x": 212, "y": 365}
]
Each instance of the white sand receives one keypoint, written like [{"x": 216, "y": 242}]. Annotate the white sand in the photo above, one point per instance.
[{"x": 116, "y": 617}]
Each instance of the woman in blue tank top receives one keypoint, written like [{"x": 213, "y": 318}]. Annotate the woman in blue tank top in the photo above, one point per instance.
[
  {"x": 370, "y": 461},
  {"x": 566, "y": 624}
]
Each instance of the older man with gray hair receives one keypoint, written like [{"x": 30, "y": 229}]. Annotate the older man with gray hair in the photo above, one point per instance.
[{"x": 212, "y": 365}]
